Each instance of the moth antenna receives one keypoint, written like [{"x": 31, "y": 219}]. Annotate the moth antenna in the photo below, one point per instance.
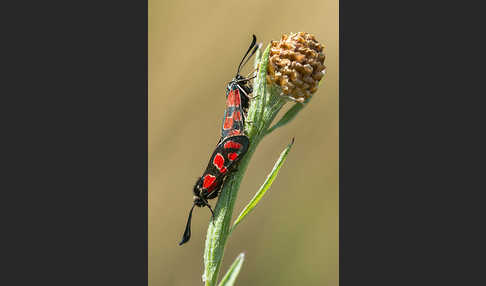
[
  {"x": 252, "y": 46},
  {"x": 187, "y": 231},
  {"x": 249, "y": 57}
]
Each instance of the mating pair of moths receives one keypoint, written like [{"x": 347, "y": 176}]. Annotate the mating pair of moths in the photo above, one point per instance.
[{"x": 233, "y": 143}]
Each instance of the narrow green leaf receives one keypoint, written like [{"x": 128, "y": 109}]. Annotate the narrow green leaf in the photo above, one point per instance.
[
  {"x": 230, "y": 276},
  {"x": 288, "y": 116},
  {"x": 264, "y": 188}
]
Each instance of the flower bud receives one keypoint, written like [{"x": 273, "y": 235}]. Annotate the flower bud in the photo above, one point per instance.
[{"x": 296, "y": 65}]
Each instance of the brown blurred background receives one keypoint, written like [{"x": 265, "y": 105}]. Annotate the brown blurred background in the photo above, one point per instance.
[{"x": 291, "y": 238}]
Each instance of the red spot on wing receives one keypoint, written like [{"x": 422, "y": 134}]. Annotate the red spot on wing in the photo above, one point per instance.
[
  {"x": 218, "y": 161},
  {"x": 232, "y": 145},
  {"x": 232, "y": 156},
  {"x": 230, "y": 101},
  {"x": 228, "y": 123},
  {"x": 237, "y": 98},
  {"x": 237, "y": 116},
  {"x": 208, "y": 181},
  {"x": 233, "y": 98}
]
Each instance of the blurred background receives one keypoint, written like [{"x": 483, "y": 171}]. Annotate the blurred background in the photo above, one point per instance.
[{"x": 291, "y": 238}]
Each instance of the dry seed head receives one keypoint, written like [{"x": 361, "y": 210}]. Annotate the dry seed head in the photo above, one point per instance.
[{"x": 296, "y": 65}]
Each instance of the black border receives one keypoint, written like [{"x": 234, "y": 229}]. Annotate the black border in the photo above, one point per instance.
[
  {"x": 78, "y": 133},
  {"x": 408, "y": 127},
  {"x": 374, "y": 176}
]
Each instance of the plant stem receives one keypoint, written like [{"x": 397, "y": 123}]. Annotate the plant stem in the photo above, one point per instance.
[
  {"x": 219, "y": 231},
  {"x": 263, "y": 109}
]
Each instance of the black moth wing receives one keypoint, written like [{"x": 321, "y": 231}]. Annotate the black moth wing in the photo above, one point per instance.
[
  {"x": 239, "y": 103},
  {"x": 237, "y": 144},
  {"x": 204, "y": 193},
  {"x": 214, "y": 193},
  {"x": 225, "y": 148},
  {"x": 230, "y": 150}
]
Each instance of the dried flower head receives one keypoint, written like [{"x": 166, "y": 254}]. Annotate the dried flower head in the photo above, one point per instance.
[{"x": 296, "y": 65}]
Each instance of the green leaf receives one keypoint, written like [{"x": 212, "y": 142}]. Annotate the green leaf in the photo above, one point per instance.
[
  {"x": 230, "y": 276},
  {"x": 264, "y": 188},
  {"x": 288, "y": 116}
]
